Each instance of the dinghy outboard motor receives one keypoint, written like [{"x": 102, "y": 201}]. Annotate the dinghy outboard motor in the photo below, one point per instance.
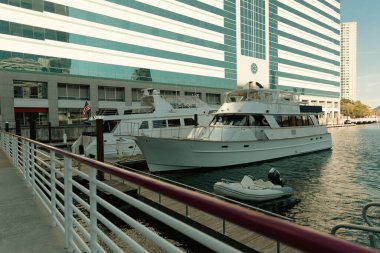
[{"x": 274, "y": 177}]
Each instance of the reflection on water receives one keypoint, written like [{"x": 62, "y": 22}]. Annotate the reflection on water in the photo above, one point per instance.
[{"x": 333, "y": 185}]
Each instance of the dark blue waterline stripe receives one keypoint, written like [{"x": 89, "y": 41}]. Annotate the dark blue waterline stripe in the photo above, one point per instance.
[
  {"x": 307, "y": 54},
  {"x": 305, "y": 91},
  {"x": 170, "y": 14},
  {"x": 307, "y": 66},
  {"x": 300, "y": 14},
  {"x": 308, "y": 42},
  {"x": 307, "y": 78},
  {"x": 312, "y": 7},
  {"x": 131, "y": 26}
]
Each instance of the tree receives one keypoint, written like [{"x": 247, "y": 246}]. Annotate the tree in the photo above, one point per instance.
[{"x": 354, "y": 109}]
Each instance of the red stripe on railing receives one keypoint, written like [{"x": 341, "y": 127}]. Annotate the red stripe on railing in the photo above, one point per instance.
[{"x": 299, "y": 237}]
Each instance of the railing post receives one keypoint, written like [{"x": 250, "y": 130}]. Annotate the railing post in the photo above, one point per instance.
[
  {"x": 18, "y": 149},
  {"x": 15, "y": 150},
  {"x": 53, "y": 188},
  {"x": 278, "y": 247},
  {"x": 25, "y": 158},
  {"x": 2, "y": 140},
  {"x": 33, "y": 166},
  {"x": 68, "y": 185},
  {"x": 11, "y": 147},
  {"x": 6, "y": 144},
  {"x": 93, "y": 210},
  {"x": 28, "y": 161}
]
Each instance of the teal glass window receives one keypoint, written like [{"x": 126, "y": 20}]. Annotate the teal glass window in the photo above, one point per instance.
[{"x": 252, "y": 28}]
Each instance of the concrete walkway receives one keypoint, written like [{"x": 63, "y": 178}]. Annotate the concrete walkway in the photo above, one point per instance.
[{"x": 25, "y": 224}]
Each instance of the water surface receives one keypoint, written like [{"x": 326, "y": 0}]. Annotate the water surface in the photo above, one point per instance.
[{"x": 333, "y": 185}]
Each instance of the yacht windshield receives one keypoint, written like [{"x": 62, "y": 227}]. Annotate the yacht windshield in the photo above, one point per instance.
[
  {"x": 109, "y": 125},
  {"x": 229, "y": 120}
]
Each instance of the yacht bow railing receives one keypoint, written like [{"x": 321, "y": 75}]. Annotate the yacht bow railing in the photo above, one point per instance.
[{"x": 75, "y": 204}]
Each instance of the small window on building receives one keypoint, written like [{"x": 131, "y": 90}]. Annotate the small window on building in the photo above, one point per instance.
[
  {"x": 193, "y": 94},
  {"x": 213, "y": 99},
  {"x": 29, "y": 89},
  {"x": 169, "y": 93},
  {"x": 136, "y": 95},
  {"x": 110, "y": 93},
  {"x": 73, "y": 91}
]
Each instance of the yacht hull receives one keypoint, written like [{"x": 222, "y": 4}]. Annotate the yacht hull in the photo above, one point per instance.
[{"x": 168, "y": 154}]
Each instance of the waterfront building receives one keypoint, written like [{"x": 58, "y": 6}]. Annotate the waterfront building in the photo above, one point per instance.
[
  {"x": 55, "y": 55},
  {"x": 348, "y": 63}
]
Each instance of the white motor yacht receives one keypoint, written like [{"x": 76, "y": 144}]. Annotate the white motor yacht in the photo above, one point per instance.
[
  {"x": 157, "y": 116},
  {"x": 252, "y": 125}
]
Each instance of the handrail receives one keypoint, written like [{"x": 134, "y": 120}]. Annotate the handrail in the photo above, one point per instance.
[
  {"x": 374, "y": 231},
  {"x": 293, "y": 235},
  {"x": 365, "y": 210}
]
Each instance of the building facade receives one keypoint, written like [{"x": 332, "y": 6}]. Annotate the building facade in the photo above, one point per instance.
[
  {"x": 55, "y": 55},
  {"x": 305, "y": 52},
  {"x": 348, "y": 64}
]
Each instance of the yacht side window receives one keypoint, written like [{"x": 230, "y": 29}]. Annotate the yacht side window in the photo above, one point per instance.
[
  {"x": 292, "y": 120},
  {"x": 159, "y": 123},
  {"x": 251, "y": 120},
  {"x": 299, "y": 120},
  {"x": 285, "y": 121},
  {"x": 108, "y": 126},
  {"x": 189, "y": 122},
  {"x": 279, "y": 120},
  {"x": 174, "y": 122},
  {"x": 238, "y": 120},
  {"x": 144, "y": 125}
]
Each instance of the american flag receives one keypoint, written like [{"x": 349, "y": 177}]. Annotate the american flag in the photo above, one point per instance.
[{"x": 85, "y": 110}]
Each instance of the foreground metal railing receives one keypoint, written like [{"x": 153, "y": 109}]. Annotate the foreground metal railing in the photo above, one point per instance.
[
  {"x": 373, "y": 231},
  {"x": 53, "y": 174}
]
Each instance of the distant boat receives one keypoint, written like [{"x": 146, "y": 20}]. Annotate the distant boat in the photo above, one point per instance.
[
  {"x": 250, "y": 189},
  {"x": 157, "y": 116},
  {"x": 252, "y": 125}
]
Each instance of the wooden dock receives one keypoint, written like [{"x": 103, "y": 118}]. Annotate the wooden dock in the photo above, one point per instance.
[{"x": 239, "y": 234}]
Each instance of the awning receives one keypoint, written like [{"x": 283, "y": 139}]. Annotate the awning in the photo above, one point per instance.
[{"x": 31, "y": 109}]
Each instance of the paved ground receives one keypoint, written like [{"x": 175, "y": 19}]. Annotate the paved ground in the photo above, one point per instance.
[{"x": 25, "y": 224}]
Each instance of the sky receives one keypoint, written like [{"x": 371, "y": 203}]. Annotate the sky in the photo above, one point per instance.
[{"x": 367, "y": 15}]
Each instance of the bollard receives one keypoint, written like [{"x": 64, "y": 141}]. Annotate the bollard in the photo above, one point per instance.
[
  {"x": 33, "y": 130},
  {"x": 7, "y": 126},
  {"x": 49, "y": 129},
  {"x": 18, "y": 128}
]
